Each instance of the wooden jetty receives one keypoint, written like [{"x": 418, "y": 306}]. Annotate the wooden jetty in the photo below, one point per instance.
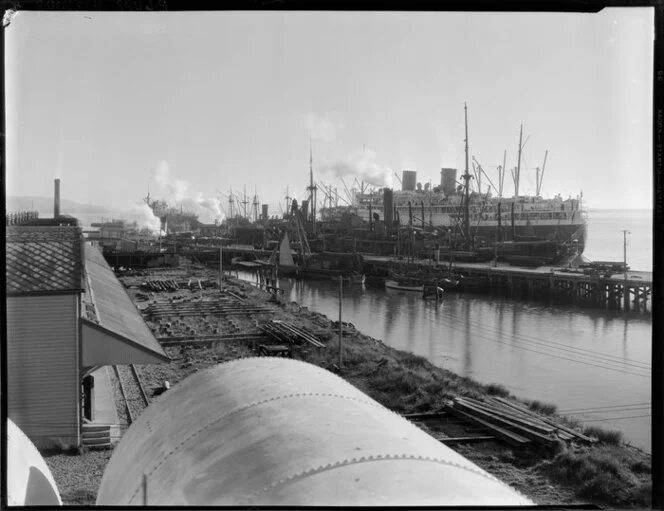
[{"x": 628, "y": 291}]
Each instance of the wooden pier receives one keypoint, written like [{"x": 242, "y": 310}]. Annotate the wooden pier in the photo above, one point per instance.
[{"x": 630, "y": 291}]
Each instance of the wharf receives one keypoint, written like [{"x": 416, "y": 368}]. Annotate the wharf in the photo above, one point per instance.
[
  {"x": 631, "y": 291},
  {"x": 567, "y": 285}
]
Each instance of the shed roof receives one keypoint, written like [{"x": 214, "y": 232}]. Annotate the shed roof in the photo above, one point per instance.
[
  {"x": 110, "y": 309},
  {"x": 43, "y": 259}
]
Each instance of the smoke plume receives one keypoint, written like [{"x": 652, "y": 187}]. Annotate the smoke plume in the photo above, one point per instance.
[
  {"x": 363, "y": 166},
  {"x": 208, "y": 209},
  {"x": 176, "y": 187},
  {"x": 141, "y": 214},
  {"x": 323, "y": 128}
]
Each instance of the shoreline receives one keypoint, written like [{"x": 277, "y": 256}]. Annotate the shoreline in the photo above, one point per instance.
[{"x": 401, "y": 381}]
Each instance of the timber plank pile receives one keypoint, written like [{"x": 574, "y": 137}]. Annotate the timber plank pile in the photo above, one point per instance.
[
  {"x": 289, "y": 333},
  {"x": 211, "y": 308},
  {"x": 210, "y": 340},
  {"x": 170, "y": 285},
  {"x": 513, "y": 423}
]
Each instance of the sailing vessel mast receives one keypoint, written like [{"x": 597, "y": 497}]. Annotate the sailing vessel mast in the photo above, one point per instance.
[
  {"x": 517, "y": 176},
  {"x": 312, "y": 191},
  {"x": 466, "y": 209}
]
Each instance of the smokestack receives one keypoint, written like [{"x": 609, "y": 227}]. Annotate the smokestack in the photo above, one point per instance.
[
  {"x": 388, "y": 209},
  {"x": 408, "y": 180},
  {"x": 264, "y": 207},
  {"x": 56, "y": 205}
]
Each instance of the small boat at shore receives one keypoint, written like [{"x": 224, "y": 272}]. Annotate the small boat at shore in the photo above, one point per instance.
[{"x": 402, "y": 286}]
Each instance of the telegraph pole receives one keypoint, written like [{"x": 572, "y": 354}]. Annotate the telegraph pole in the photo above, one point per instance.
[
  {"x": 625, "y": 289},
  {"x": 341, "y": 285}
]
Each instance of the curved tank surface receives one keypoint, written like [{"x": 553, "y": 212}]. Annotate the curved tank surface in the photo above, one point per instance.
[
  {"x": 29, "y": 480},
  {"x": 275, "y": 431}
]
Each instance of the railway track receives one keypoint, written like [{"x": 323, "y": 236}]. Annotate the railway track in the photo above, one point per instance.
[{"x": 133, "y": 393}]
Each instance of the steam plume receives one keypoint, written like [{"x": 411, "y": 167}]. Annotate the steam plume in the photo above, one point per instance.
[{"x": 362, "y": 165}]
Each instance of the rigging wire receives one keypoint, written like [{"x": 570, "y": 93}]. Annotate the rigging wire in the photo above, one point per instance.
[
  {"x": 615, "y": 418},
  {"x": 548, "y": 343},
  {"x": 595, "y": 356},
  {"x": 604, "y": 407},
  {"x": 550, "y": 354}
]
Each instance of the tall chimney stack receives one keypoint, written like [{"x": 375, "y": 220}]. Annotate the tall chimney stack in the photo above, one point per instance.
[{"x": 56, "y": 206}]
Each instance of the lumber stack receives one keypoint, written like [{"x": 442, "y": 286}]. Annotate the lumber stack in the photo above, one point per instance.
[
  {"x": 513, "y": 423},
  {"x": 211, "y": 308},
  {"x": 289, "y": 333}
]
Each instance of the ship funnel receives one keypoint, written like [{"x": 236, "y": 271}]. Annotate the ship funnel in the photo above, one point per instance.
[
  {"x": 408, "y": 180},
  {"x": 448, "y": 180},
  {"x": 264, "y": 206},
  {"x": 56, "y": 202},
  {"x": 388, "y": 208}
]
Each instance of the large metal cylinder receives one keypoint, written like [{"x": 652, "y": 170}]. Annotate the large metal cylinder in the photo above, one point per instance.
[
  {"x": 29, "y": 480},
  {"x": 275, "y": 431},
  {"x": 264, "y": 212},
  {"x": 448, "y": 180},
  {"x": 408, "y": 180}
]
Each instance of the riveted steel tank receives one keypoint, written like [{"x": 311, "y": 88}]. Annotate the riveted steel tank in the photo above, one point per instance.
[
  {"x": 29, "y": 480},
  {"x": 274, "y": 431}
]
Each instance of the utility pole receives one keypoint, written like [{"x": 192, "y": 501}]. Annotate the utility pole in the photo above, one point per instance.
[
  {"x": 625, "y": 289},
  {"x": 341, "y": 285}
]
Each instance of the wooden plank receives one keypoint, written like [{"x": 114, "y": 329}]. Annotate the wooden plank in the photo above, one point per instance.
[
  {"x": 528, "y": 422},
  {"x": 465, "y": 439},
  {"x": 553, "y": 423},
  {"x": 502, "y": 433},
  {"x": 522, "y": 430},
  {"x": 424, "y": 416}
]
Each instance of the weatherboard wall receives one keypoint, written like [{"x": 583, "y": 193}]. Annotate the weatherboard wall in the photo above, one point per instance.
[{"x": 43, "y": 366}]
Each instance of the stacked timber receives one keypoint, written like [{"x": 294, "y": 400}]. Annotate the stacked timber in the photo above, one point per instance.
[
  {"x": 214, "y": 308},
  {"x": 513, "y": 423},
  {"x": 289, "y": 333},
  {"x": 161, "y": 285}
]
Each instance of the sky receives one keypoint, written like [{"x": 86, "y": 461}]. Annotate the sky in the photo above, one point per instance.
[{"x": 191, "y": 105}]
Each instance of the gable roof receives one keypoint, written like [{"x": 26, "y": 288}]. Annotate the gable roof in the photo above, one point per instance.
[
  {"x": 43, "y": 260},
  {"x": 107, "y": 307}
]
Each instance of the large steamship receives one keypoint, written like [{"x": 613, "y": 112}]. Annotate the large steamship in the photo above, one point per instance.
[
  {"x": 528, "y": 229},
  {"x": 490, "y": 219}
]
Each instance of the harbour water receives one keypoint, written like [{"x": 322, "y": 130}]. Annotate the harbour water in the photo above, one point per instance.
[{"x": 594, "y": 365}]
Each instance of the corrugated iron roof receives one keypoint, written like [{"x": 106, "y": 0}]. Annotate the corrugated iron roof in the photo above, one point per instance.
[
  {"x": 43, "y": 259},
  {"x": 114, "y": 310}
]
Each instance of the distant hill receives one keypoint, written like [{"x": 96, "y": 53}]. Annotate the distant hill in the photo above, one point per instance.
[{"x": 45, "y": 206}]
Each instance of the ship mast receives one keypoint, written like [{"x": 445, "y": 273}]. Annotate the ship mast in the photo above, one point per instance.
[
  {"x": 518, "y": 166},
  {"x": 312, "y": 190},
  {"x": 466, "y": 211}
]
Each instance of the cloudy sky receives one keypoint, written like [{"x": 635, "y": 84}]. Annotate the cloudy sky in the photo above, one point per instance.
[{"x": 192, "y": 105}]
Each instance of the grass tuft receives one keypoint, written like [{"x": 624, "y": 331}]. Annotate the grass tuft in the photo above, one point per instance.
[
  {"x": 496, "y": 389},
  {"x": 601, "y": 473},
  {"x": 544, "y": 408},
  {"x": 604, "y": 435}
]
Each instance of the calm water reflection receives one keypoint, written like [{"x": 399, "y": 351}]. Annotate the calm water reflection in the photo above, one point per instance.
[{"x": 596, "y": 364}]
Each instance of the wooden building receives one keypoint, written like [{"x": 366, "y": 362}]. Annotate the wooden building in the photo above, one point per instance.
[{"x": 66, "y": 315}]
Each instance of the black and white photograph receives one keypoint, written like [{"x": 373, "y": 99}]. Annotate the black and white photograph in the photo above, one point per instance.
[{"x": 329, "y": 258}]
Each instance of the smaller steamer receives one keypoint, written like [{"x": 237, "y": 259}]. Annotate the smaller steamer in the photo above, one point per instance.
[{"x": 276, "y": 431}]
